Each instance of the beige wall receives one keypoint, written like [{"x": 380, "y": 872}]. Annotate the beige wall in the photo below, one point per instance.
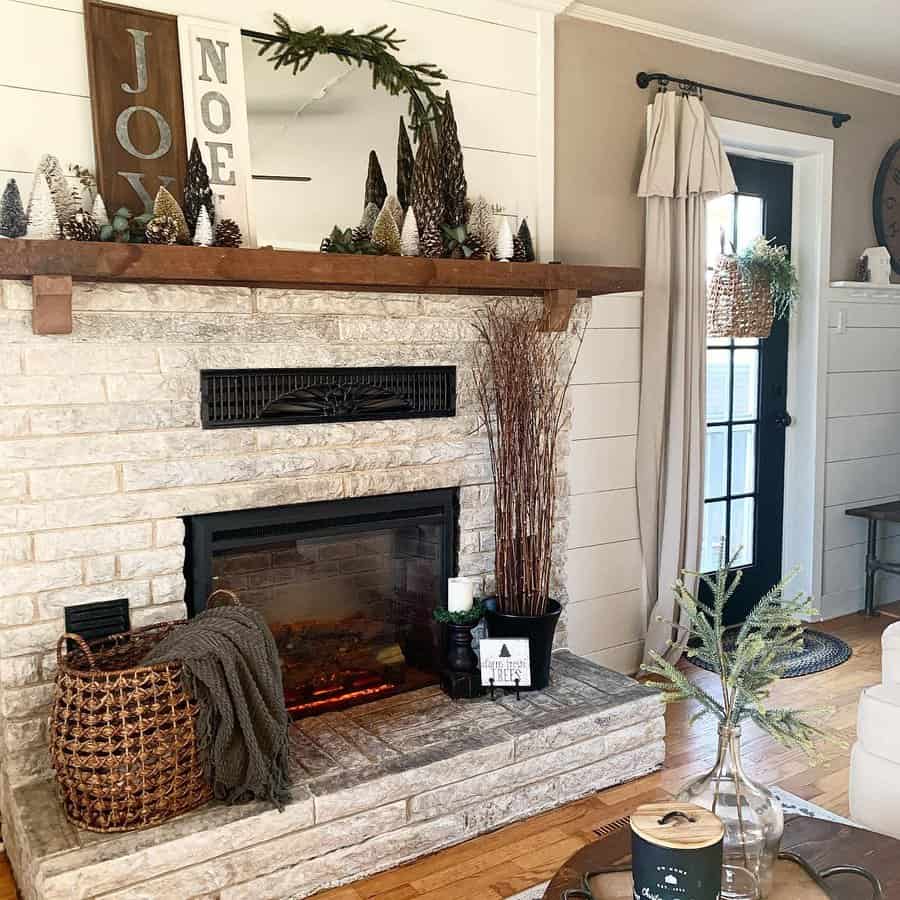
[{"x": 599, "y": 136}]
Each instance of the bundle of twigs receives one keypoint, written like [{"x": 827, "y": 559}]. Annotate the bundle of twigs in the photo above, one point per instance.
[{"x": 521, "y": 377}]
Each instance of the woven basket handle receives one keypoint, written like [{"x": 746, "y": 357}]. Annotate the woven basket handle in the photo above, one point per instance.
[
  {"x": 82, "y": 645},
  {"x": 222, "y": 592}
]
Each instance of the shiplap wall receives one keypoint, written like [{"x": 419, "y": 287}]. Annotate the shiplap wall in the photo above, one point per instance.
[
  {"x": 489, "y": 50},
  {"x": 862, "y": 440},
  {"x": 606, "y": 617}
]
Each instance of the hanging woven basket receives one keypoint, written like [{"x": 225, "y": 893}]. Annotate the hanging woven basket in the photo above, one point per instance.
[{"x": 736, "y": 308}]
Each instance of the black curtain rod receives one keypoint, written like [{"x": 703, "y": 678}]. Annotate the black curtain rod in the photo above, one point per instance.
[
  {"x": 645, "y": 79},
  {"x": 261, "y": 35}
]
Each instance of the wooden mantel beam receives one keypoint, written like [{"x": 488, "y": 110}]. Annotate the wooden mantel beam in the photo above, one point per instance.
[{"x": 560, "y": 285}]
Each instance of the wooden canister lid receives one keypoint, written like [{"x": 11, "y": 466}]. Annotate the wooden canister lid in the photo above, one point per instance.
[{"x": 679, "y": 826}]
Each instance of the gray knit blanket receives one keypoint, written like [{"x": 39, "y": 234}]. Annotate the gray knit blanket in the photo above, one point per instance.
[{"x": 231, "y": 666}]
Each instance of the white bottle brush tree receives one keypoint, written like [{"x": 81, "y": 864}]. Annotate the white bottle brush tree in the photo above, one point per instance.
[{"x": 43, "y": 222}]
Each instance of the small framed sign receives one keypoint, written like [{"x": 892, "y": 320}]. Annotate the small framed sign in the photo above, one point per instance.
[{"x": 505, "y": 662}]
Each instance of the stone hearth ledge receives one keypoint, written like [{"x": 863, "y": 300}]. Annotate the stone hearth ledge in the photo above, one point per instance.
[{"x": 376, "y": 786}]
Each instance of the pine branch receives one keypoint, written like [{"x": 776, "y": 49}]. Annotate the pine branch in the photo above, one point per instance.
[{"x": 376, "y": 48}]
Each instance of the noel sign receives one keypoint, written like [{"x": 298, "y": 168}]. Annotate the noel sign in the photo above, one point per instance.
[{"x": 135, "y": 78}]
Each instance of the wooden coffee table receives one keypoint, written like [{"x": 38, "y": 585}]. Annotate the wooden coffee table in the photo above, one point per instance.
[{"x": 819, "y": 842}]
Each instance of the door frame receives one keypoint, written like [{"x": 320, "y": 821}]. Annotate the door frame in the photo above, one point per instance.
[{"x": 804, "y": 485}]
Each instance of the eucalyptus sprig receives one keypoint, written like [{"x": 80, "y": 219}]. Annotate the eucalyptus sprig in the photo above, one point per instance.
[
  {"x": 747, "y": 666},
  {"x": 767, "y": 263},
  {"x": 376, "y": 48}
]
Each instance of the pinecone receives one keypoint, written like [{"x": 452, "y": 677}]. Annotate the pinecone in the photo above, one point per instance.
[
  {"x": 162, "y": 230},
  {"x": 325, "y": 246},
  {"x": 474, "y": 243},
  {"x": 81, "y": 227},
  {"x": 228, "y": 234},
  {"x": 520, "y": 254},
  {"x": 361, "y": 235},
  {"x": 431, "y": 244}
]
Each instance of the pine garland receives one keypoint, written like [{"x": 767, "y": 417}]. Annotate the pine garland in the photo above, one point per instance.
[
  {"x": 297, "y": 49},
  {"x": 451, "y": 165},
  {"x": 747, "y": 669}
]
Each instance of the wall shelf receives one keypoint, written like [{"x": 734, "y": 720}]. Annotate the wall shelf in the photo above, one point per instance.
[{"x": 52, "y": 266}]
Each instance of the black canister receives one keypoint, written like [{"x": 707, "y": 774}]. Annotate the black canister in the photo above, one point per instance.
[{"x": 676, "y": 852}]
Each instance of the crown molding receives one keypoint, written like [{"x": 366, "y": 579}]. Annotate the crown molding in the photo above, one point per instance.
[{"x": 730, "y": 48}]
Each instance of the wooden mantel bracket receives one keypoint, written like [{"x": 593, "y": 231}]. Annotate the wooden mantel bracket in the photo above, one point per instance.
[
  {"x": 52, "y": 313},
  {"x": 558, "y": 306}
]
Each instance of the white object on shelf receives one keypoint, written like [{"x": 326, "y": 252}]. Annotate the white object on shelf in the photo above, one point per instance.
[
  {"x": 460, "y": 594},
  {"x": 879, "y": 263}
]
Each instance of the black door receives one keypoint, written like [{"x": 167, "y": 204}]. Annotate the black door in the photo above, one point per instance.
[{"x": 746, "y": 386}]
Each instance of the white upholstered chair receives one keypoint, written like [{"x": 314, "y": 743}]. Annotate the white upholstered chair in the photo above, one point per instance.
[{"x": 875, "y": 760}]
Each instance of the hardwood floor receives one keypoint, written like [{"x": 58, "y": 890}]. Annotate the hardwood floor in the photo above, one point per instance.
[{"x": 514, "y": 858}]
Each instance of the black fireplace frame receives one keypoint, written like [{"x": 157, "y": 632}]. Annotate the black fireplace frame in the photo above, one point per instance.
[{"x": 207, "y": 533}]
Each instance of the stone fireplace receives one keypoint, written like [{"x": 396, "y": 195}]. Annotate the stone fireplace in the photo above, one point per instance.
[
  {"x": 109, "y": 486},
  {"x": 348, "y": 588}
]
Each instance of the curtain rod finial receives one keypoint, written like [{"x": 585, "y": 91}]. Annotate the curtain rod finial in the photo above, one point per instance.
[{"x": 643, "y": 80}]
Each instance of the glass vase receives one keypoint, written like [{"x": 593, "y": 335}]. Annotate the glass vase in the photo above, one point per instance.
[{"x": 751, "y": 814}]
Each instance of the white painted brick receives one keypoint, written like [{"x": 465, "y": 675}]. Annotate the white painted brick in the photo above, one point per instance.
[
  {"x": 98, "y": 569},
  {"x": 40, "y": 576},
  {"x": 92, "y": 541},
  {"x": 152, "y": 388},
  {"x": 16, "y": 610},
  {"x": 52, "y": 605},
  {"x": 151, "y": 562},
  {"x": 16, "y": 548},
  {"x": 112, "y": 417},
  {"x": 15, "y": 294},
  {"x": 40, "y": 638},
  {"x": 13, "y": 422},
  {"x": 39, "y": 453},
  {"x": 90, "y": 360},
  {"x": 17, "y": 671},
  {"x": 45, "y": 390},
  {"x": 11, "y": 361},
  {"x": 408, "y": 330},
  {"x": 160, "y": 298},
  {"x": 168, "y": 532},
  {"x": 27, "y": 701},
  {"x": 27, "y": 732},
  {"x": 152, "y": 615},
  {"x": 76, "y": 481},
  {"x": 168, "y": 588}
]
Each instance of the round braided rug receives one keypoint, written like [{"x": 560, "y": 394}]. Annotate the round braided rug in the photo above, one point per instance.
[{"x": 820, "y": 651}]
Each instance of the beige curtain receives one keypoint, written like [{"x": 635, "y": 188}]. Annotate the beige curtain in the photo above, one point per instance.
[{"x": 685, "y": 165}]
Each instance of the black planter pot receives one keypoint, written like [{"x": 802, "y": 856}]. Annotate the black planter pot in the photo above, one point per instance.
[{"x": 538, "y": 629}]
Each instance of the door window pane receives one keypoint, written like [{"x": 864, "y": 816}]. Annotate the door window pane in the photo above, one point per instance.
[
  {"x": 746, "y": 384},
  {"x": 749, "y": 220},
  {"x": 716, "y": 461},
  {"x": 742, "y": 531},
  {"x": 713, "y": 535},
  {"x": 719, "y": 221},
  {"x": 718, "y": 372},
  {"x": 743, "y": 459}
]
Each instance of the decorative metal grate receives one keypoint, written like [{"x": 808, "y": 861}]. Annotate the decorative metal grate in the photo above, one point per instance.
[
  {"x": 239, "y": 397},
  {"x": 98, "y": 620}
]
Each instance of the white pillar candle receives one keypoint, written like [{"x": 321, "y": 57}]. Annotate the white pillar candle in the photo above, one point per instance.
[{"x": 460, "y": 594}]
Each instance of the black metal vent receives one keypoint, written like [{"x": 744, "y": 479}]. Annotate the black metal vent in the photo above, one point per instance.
[
  {"x": 240, "y": 397},
  {"x": 98, "y": 620}
]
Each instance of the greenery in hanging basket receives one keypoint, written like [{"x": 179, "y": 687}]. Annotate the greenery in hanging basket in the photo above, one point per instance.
[
  {"x": 468, "y": 617},
  {"x": 748, "y": 665},
  {"x": 763, "y": 262},
  {"x": 375, "y": 48}
]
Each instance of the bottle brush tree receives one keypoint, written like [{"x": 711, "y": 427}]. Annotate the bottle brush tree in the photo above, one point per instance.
[
  {"x": 451, "y": 167},
  {"x": 13, "y": 223}
]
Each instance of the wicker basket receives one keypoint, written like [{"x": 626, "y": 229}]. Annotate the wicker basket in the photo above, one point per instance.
[
  {"x": 123, "y": 737},
  {"x": 736, "y": 309}
]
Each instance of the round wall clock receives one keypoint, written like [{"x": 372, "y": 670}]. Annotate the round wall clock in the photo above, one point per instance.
[{"x": 886, "y": 204}]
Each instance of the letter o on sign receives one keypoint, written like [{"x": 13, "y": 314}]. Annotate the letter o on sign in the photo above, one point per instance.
[
  {"x": 224, "y": 112},
  {"x": 123, "y": 137}
]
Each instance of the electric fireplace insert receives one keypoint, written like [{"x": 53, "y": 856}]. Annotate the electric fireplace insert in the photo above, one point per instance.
[{"x": 348, "y": 588}]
